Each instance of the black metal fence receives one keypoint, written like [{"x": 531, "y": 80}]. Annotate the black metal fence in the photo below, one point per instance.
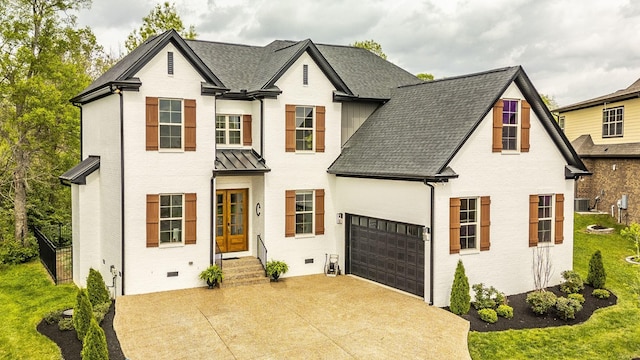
[{"x": 58, "y": 260}]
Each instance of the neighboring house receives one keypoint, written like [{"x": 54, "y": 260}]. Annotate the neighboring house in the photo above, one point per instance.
[
  {"x": 605, "y": 132},
  {"x": 313, "y": 150}
]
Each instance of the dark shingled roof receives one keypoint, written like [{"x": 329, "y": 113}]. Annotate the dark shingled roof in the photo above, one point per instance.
[
  {"x": 78, "y": 174},
  {"x": 417, "y": 133},
  {"x": 633, "y": 91},
  {"x": 587, "y": 149},
  {"x": 353, "y": 71}
]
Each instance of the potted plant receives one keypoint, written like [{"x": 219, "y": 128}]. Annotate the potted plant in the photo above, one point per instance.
[
  {"x": 275, "y": 268},
  {"x": 212, "y": 275}
]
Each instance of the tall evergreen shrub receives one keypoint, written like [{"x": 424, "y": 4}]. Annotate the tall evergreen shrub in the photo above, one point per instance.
[
  {"x": 82, "y": 314},
  {"x": 460, "y": 298},
  {"x": 98, "y": 293},
  {"x": 94, "y": 346},
  {"x": 597, "y": 276}
]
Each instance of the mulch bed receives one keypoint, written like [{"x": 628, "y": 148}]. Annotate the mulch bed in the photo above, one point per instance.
[
  {"x": 71, "y": 346},
  {"x": 525, "y": 318}
]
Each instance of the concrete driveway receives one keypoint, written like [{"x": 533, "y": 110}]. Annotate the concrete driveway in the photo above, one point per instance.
[{"x": 307, "y": 317}]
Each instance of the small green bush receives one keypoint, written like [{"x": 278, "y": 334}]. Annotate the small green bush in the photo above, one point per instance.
[
  {"x": 505, "y": 311},
  {"x": 12, "y": 252},
  {"x": 597, "y": 276},
  {"x": 65, "y": 324},
  {"x": 541, "y": 301},
  {"x": 96, "y": 288},
  {"x": 460, "y": 298},
  {"x": 53, "y": 317},
  {"x": 601, "y": 293},
  {"x": 100, "y": 310},
  {"x": 567, "y": 308},
  {"x": 94, "y": 346},
  {"x": 578, "y": 297},
  {"x": 487, "y": 297},
  {"x": 488, "y": 315},
  {"x": 82, "y": 314},
  {"x": 573, "y": 283}
]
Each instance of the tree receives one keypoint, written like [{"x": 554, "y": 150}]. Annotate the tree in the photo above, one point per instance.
[
  {"x": 460, "y": 298},
  {"x": 550, "y": 101},
  {"x": 96, "y": 289},
  {"x": 597, "y": 276},
  {"x": 372, "y": 46},
  {"x": 94, "y": 346},
  {"x": 162, "y": 18},
  {"x": 82, "y": 314},
  {"x": 632, "y": 232},
  {"x": 44, "y": 62},
  {"x": 425, "y": 76}
]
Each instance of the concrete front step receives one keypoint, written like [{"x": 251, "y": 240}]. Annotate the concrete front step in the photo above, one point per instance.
[{"x": 243, "y": 271}]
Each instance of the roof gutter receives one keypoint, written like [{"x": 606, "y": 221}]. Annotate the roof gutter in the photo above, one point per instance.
[
  {"x": 400, "y": 177},
  {"x": 598, "y": 102}
]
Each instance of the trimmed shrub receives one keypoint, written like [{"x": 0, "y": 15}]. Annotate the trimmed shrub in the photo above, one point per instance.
[
  {"x": 460, "y": 298},
  {"x": 573, "y": 282},
  {"x": 578, "y": 297},
  {"x": 96, "y": 289},
  {"x": 82, "y": 314},
  {"x": 487, "y": 297},
  {"x": 567, "y": 308},
  {"x": 488, "y": 315},
  {"x": 53, "y": 317},
  {"x": 597, "y": 276},
  {"x": 541, "y": 301},
  {"x": 65, "y": 324},
  {"x": 505, "y": 311},
  {"x": 601, "y": 293},
  {"x": 100, "y": 310},
  {"x": 94, "y": 346}
]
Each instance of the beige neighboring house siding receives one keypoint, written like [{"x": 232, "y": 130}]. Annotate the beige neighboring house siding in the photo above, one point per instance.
[{"x": 589, "y": 121}]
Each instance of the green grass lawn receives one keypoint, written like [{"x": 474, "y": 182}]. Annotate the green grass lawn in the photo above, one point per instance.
[
  {"x": 611, "y": 333},
  {"x": 27, "y": 293}
]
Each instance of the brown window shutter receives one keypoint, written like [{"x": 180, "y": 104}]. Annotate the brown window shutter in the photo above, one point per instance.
[
  {"x": 153, "y": 220},
  {"x": 290, "y": 130},
  {"x": 290, "y": 213},
  {"x": 497, "y": 126},
  {"x": 525, "y": 126},
  {"x": 319, "y": 128},
  {"x": 190, "y": 216},
  {"x": 189, "y": 125},
  {"x": 246, "y": 130},
  {"x": 533, "y": 220},
  {"x": 454, "y": 226},
  {"x": 152, "y": 124},
  {"x": 485, "y": 223},
  {"x": 559, "y": 218},
  {"x": 319, "y": 220}
]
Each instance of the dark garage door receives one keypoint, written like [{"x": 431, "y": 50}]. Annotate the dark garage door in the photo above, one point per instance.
[{"x": 387, "y": 252}]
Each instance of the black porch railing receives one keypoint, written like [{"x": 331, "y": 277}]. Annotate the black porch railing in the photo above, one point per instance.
[
  {"x": 262, "y": 254},
  {"x": 58, "y": 260}
]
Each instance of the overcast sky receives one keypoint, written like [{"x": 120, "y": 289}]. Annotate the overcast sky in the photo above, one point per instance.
[{"x": 573, "y": 50}]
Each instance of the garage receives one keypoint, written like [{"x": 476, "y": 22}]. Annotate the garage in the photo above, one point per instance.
[{"x": 387, "y": 252}]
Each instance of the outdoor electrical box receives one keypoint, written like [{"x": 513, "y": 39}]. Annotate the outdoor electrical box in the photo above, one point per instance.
[{"x": 624, "y": 202}]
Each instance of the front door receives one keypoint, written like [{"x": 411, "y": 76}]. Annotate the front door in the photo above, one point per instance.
[{"x": 231, "y": 220}]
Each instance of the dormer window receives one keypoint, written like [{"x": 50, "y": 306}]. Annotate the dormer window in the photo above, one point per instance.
[
  {"x": 305, "y": 74},
  {"x": 170, "y": 63}
]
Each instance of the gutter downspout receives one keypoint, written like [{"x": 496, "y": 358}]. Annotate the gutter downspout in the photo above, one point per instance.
[
  {"x": 79, "y": 107},
  {"x": 122, "y": 217},
  {"x": 431, "y": 221},
  {"x": 211, "y": 201}
]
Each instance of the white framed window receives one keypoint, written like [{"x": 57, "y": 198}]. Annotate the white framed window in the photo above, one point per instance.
[
  {"x": 229, "y": 129},
  {"x": 170, "y": 123},
  {"x": 304, "y": 128},
  {"x": 561, "y": 123},
  {"x": 612, "y": 122},
  {"x": 171, "y": 218},
  {"x": 545, "y": 218},
  {"x": 510, "y": 124},
  {"x": 469, "y": 223},
  {"x": 304, "y": 212}
]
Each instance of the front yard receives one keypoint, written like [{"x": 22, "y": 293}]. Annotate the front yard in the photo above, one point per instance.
[
  {"x": 611, "y": 333},
  {"x": 27, "y": 294}
]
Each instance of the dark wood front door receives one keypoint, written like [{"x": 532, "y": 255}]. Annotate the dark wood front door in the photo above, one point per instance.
[{"x": 232, "y": 220}]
